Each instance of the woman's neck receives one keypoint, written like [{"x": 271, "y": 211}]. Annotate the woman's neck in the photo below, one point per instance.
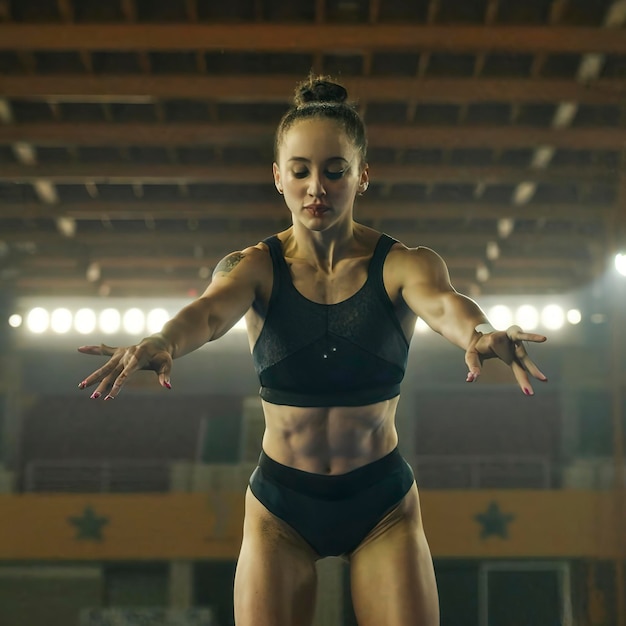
[{"x": 323, "y": 248}]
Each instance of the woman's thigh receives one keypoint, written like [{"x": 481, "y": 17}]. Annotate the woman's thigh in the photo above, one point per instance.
[
  {"x": 392, "y": 575},
  {"x": 275, "y": 580}
]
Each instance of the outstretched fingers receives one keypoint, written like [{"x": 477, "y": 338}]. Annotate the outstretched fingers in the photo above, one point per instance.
[
  {"x": 132, "y": 365},
  {"x": 522, "y": 356},
  {"x": 101, "y": 374},
  {"x": 529, "y": 365},
  {"x": 106, "y": 376},
  {"x": 522, "y": 364},
  {"x": 123, "y": 363},
  {"x": 101, "y": 350},
  {"x": 521, "y": 376},
  {"x": 509, "y": 347},
  {"x": 473, "y": 362}
]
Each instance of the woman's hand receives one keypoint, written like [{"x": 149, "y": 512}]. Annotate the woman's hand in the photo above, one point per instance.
[
  {"x": 149, "y": 354},
  {"x": 507, "y": 346}
]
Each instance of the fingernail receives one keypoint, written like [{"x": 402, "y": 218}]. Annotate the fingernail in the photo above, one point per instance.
[
  {"x": 110, "y": 397},
  {"x": 95, "y": 395},
  {"x": 82, "y": 385},
  {"x": 167, "y": 384},
  {"x": 527, "y": 392}
]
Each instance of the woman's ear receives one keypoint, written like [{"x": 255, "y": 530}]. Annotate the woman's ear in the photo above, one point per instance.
[
  {"x": 364, "y": 181},
  {"x": 277, "y": 182}
]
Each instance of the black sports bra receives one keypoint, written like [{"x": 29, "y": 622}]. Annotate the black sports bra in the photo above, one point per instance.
[{"x": 352, "y": 353}]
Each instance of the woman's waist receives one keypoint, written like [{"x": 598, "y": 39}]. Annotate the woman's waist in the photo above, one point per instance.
[
  {"x": 335, "y": 486},
  {"x": 335, "y": 442}
]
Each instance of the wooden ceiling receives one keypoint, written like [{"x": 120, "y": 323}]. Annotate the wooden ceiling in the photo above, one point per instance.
[{"x": 136, "y": 135}]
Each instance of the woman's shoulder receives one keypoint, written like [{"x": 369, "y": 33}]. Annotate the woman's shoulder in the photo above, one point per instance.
[
  {"x": 413, "y": 261},
  {"x": 249, "y": 263}
]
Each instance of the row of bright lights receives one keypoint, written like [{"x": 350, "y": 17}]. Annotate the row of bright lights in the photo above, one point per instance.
[
  {"x": 134, "y": 321},
  {"x": 528, "y": 317},
  {"x": 85, "y": 321}
]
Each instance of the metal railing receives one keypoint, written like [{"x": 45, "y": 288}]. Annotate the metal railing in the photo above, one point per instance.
[
  {"x": 130, "y": 476},
  {"x": 89, "y": 476},
  {"x": 484, "y": 472},
  {"x": 147, "y": 616}
]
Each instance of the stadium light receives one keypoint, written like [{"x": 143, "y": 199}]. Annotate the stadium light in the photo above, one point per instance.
[
  {"x": 500, "y": 316},
  {"x": 527, "y": 317},
  {"x": 85, "y": 321},
  {"x": 38, "y": 320},
  {"x": 155, "y": 320},
  {"x": 553, "y": 317},
  {"x": 134, "y": 321},
  {"x": 574, "y": 316},
  {"x": 61, "y": 320},
  {"x": 109, "y": 321}
]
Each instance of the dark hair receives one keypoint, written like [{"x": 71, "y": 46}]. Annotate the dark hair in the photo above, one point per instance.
[{"x": 320, "y": 97}]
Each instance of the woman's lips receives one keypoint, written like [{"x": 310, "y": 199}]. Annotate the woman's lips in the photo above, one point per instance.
[{"x": 317, "y": 209}]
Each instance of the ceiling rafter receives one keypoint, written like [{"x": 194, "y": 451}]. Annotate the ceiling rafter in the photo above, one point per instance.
[
  {"x": 234, "y": 174},
  {"x": 590, "y": 67},
  {"x": 310, "y": 37},
  {"x": 168, "y": 263},
  {"x": 380, "y": 135},
  {"x": 255, "y": 88},
  {"x": 170, "y": 126},
  {"x": 367, "y": 209},
  {"x": 173, "y": 286},
  {"x": 243, "y": 238}
]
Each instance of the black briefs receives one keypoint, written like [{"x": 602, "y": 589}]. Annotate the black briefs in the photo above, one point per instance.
[{"x": 333, "y": 514}]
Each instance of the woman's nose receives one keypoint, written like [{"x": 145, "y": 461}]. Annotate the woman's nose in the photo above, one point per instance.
[{"x": 316, "y": 187}]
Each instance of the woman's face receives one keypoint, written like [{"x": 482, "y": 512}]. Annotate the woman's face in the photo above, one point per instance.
[{"x": 319, "y": 172}]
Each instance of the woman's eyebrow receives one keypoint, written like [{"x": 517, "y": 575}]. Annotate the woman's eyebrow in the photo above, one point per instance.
[{"x": 305, "y": 160}]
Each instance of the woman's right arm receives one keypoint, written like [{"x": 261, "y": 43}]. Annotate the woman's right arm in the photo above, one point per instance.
[{"x": 236, "y": 282}]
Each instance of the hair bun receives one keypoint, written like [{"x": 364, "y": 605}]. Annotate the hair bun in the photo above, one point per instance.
[{"x": 319, "y": 89}]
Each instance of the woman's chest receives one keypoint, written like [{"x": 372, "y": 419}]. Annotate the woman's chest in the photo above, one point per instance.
[{"x": 328, "y": 287}]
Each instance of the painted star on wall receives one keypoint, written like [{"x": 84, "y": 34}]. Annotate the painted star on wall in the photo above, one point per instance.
[
  {"x": 89, "y": 525},
  {"x": 494, "y": 522}
]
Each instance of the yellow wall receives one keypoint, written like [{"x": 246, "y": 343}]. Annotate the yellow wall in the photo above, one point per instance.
[{"x": 200, "y": 526}]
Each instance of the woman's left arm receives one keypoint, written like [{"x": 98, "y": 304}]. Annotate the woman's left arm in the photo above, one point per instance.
[{"x": 427, "y": 290}]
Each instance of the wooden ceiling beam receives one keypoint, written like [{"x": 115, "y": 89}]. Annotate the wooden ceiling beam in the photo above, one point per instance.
[
  {"x": 161, "y": 286},
  {"x": 163, "y": 264},
  {"x": 237, "y": 239},
  {"x": 75, "y": 285},
  {"x": 241, "y": 175},
  {"x": 310, "y": 37},
  {"x": 396, "y": 136},
  {"x": 530, "y": 284},
  {"x": 279, "y": 89},
  {"x": 367, "y": 208}
]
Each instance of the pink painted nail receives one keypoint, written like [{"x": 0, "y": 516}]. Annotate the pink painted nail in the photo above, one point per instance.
[
  {"x": 95, "y": 395},
  {"x": 82, "y": 385},
  {"x": 167, "y": 384},
  {"x": 527, "y": 392},
  {"x": 110, "y": 397}
]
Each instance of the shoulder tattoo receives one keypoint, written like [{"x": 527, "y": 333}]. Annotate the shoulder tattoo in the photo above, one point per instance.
[{"x": 228, "y": 263}]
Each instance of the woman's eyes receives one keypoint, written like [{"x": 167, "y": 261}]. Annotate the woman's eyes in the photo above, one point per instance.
[
  {"x": 328, "y": 174},
  {"x": 334, "y": 175}
]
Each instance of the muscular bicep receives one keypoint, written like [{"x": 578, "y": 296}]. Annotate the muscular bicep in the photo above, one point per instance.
[
  {"x": 233, "y": 289},
  {"x": 426, "y": 285},
  {"x": 428, "y": 291}
]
